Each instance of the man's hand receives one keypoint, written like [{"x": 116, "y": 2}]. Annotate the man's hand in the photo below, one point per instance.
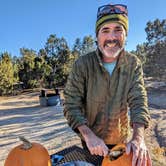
[
  {"x": 95, "y": 145},
  {"x": 137, "y": 145}
]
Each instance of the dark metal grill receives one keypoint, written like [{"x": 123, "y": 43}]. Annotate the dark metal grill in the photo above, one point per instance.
[{"x": 75, "y": 153}]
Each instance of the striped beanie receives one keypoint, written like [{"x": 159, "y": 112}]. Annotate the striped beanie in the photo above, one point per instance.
[{"x": 117, "y": 18}]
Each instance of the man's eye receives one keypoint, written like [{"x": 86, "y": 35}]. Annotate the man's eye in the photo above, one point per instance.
[
  {"x": 118, "y": 30},
  {"x": 105, "y": 31}
]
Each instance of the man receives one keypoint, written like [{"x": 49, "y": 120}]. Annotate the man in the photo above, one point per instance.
[{"x": 101, "y": 87}]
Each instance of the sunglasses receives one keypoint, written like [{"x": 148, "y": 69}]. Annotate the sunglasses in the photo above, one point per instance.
[{"x": 111, "y": 9}]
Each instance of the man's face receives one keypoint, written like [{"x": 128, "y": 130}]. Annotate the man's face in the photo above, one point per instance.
[{"x": 111, "y": 40}]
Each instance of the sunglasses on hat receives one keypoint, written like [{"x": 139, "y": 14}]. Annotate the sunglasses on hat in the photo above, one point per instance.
[{"x": 111, "y": 9}]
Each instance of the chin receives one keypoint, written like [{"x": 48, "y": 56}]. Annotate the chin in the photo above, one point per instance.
[{"x": 111, "y": 54}]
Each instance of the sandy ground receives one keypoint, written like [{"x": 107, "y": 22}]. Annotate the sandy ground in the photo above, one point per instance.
[{"x": 23, "y": 116}]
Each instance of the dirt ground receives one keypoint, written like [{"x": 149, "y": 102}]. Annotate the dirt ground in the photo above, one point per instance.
[{"x": 22, "y": 115}]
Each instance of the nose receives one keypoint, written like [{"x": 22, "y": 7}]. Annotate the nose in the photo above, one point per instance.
[{"x": 112, "y": 35}]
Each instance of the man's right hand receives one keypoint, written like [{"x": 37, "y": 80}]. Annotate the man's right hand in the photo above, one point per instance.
[{"x": 95, "y": 145}]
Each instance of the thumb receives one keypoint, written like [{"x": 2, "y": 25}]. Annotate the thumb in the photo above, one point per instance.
[
  {"x": 128, "y": 148},
  {"x": 106, "y": 151}
]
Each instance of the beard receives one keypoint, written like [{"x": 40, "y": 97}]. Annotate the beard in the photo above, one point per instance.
[{"x": 111, "y": 49}]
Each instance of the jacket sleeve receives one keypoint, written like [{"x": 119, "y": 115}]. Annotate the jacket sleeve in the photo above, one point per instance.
[
  {"x": 74, "y": 97},
  {"x": 137, "y": 97}
]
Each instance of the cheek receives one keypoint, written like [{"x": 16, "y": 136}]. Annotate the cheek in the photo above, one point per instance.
[
  {"x": 122, "y": 39},
  {"x": 101, "y": 40}
]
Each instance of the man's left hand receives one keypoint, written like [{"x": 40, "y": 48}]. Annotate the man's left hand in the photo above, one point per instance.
[
  {"x": 141, "y": 156},
  {"x": 140, "y": 152}
]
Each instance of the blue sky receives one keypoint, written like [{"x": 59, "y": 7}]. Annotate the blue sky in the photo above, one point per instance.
[{"x": 28, "y": 23}]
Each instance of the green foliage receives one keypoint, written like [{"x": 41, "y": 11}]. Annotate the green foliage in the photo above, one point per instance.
[
  {"x": 77, "y": 49},
  {"x": 156, "y": 31},
  {"x": 6, "y": 74},
  {"x": 58, "y": 54},
  {"x": 27, "y": 65},
  {"x": 84, "y": 46},
  {"x": 51, "y": 65},
  {"x": 46, "y": 69},
  {"x": 33, "y": 68},
  {"x": 141, "y": 52},
  {"x": 153, "y": 52},
  {"x": 156, "y": 60},
  {"x": 156, "y": 49},
  {"x": 88, "y": 44}
]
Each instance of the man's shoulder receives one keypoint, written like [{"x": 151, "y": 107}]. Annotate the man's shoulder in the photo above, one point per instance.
[
  {"x": 87, "y": 58},
  {"x": 132, "y": 58}
]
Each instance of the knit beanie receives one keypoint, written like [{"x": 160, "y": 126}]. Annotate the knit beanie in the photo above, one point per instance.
[{"x": 116, "y": 18}]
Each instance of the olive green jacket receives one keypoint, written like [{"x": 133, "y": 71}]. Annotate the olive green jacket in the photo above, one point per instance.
[{"x": 101, "y": 101}]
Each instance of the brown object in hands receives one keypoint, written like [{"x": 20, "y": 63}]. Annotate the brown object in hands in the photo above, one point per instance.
[
  {"x": 28, "y": 154},
  {"x": 118, "y": 157}
]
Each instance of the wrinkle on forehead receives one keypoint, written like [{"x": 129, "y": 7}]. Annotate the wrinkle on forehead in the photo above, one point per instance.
[{"x": 112, "y": 25}]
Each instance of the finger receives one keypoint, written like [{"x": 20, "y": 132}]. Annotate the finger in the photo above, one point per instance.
[
  {"x": 91, "y": 150},
  {"x": 149, "y": 161},
  {"x": 134, "y": 160},
  {"x": 140, "y": 158},
  {"x": 105, "y": 150},
  {"x": 95, "y": 150},
  {"x": 144, "y": 162},
  {"x": 139, "y": 162},
  {"x": 100, "y": 151},
  {"x": 128, "y": 148},
  {"x": 135, "y": 155},
  {"x": 144, "y": 159}
]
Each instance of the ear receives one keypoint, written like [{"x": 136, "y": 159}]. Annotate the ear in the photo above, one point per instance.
[
  {"x": 125, "y": 40},
  {"x": 96, "y": 41},
  {"x": 126, "y": 33}
]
